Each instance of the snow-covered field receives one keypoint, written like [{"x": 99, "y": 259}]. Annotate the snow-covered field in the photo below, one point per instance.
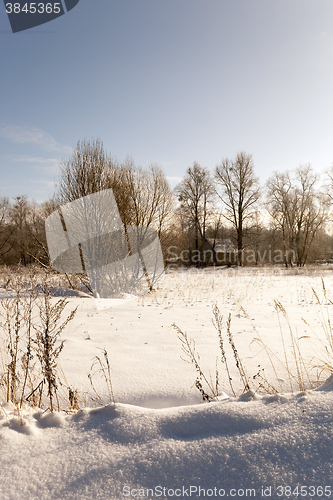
[{"x": 160, "y": 440}]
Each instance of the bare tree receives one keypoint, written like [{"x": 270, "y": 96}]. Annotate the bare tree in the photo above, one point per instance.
[
  {"x": 22, "y": 230},
  {"x": 327, "y": 187},
  {"x": 91, "y": 170},
  {"x": 20, "y": 211},
  {"x": 257, "y": 236},
  {"x": 196, "y": 195},
  {"x": 297, "y": 210},
  {"x": 149, "y": 198},
  {"x": 143, "y": 196},
  {"x": 280, "y": 206},
  {"x": 87, "y": 171},
  {"x": 149, "y": 203},
  {"x": 36, "y": 229},
  {"x": 239, "y": 192},
  {"x": 5, "y": 229}
]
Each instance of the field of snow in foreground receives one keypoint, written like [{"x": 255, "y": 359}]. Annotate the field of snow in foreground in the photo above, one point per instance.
[{"x": 160, "y": 441}]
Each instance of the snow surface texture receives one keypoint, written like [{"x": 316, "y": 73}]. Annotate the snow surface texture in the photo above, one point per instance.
[
  {"x": 276, "y": 440},
  {"x": 234, "y": 444}
]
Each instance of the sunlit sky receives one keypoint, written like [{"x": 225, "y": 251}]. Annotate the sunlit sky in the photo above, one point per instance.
[{"x": 168, "y": 81}]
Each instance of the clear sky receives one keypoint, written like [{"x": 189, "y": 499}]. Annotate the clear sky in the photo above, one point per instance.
[{"x": 171, "y": 81}]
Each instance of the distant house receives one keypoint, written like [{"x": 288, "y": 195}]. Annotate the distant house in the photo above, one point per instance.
[{"x": 218, "y": 252}]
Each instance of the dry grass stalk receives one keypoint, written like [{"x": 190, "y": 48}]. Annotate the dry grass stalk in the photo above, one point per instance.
[
  {"x": 104, "y": 369},
  {"x": 188, "y": 347},
  {"x": 17, "y": 311},
  {"x": 32, "y": 326},
  {"x": 301, "y": 368},
  {"x": 218, "y": 323},
  {"x": 270, "y": 354},
  {"x": 238, "y": 361},
  {"x": 284, "y": 349},
  {"x": 47, "y": 333}
]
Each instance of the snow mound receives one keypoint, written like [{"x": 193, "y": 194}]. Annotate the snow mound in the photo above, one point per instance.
[
  {"x": 105, "y": 452},
  {"x": 327, "y": 386}
]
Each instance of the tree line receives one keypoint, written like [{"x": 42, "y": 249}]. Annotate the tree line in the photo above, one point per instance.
[{"x": 286, "y": 221}]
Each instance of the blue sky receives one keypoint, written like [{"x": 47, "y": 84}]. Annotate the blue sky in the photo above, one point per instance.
[{"x": 170, "y": 81}]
